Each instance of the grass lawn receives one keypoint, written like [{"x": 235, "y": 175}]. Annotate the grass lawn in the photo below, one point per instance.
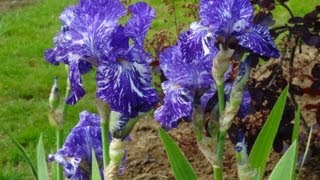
[{"x": 26, "y": 78}]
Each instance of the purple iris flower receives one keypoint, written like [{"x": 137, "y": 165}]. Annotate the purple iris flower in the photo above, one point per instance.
[
  {"x": 91, "y": 36},
  {"x": 187, "y": 66},
  {"x": 230, "y": 20},
  {"x": 76, "y": 154},
  {"x": 189, "y": 79}
]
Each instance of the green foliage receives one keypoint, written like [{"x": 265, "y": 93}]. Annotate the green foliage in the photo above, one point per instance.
[
  {"x": 23, "y": 152},
  {"x": 295, "y": 132},
  {"x": 263, "y": 144},
  {"x": 306, "y": 150},
  {"x": 41, "y": 161},
  {"x": 179, "y": 163},
  {"x": 95, "y": 168},
  {"x": 286, "y": 166}
]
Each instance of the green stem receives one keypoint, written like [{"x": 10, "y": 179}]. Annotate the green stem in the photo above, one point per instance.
[
  {"x": 220, "y": 150},
  {"x": 59, "y": 134},
  {"x": 60, "y": 131},
  {"x": 104, "y": 113},
  {"x": 221, "y": 101},
  {"x": 222, "y": 135},
  {"x": 105, "y": 143}
]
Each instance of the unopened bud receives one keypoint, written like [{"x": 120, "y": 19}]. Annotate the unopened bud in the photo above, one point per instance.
[
  {"x": 120, "y": 126},
  {"x": 103, "y": 109},
  {"x": 221, "y": 63},
  {"x": 116, "y": 153},
  {"x": 237, "y": 90},
  {"x": 244, "y": 169},
  {"x": 54, "y": 95},
  {"x": 56, "y": 119}
]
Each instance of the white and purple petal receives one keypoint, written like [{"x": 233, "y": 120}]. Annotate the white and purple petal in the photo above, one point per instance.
[
  {"x": 223, "y": 15},
  {"x": 177, "y": 104},
  {"x": 77, "y": 90},
  {"x": 195, "y": 74},
  {"x": 196, "y": 43},
  {"x": 126, "y": 86},
  {"x": 259, "y": 40},
  {"x": 140, "y": 22}
]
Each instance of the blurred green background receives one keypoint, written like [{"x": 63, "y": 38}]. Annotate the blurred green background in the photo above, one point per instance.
[{"x": 26, "y": 31}]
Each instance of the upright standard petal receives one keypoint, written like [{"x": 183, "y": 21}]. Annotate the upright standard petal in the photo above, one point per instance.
[
  {"x": 140, "y": 22},
  {"x": 126, "y": 86},
  {"x": 224, "y": 14},
  {"x": 259, "y": 40},
  {"x": 177, "y": 104},
  {"x": 196, "y": 43},
  {"x": 195, "y": 74}
]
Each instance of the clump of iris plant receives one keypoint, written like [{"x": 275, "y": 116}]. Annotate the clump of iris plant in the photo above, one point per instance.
[
  {"x": 211, "y": 43},
  {"x": 76, "y": 153},
  {"x": 92, "y": 36},
  {"x": 188, "y": 89}
]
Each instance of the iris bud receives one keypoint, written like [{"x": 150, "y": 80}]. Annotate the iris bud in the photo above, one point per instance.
[{"x": 54, "y": 95}]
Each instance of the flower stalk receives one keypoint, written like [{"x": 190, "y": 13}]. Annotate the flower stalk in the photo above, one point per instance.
[
  {"x": 206, "y": 144},
  {"x": 220, "y": 66},
  {"x": 57, "y": 116},
  {"x": 59, "y": 131},
  {"x": 104, "y": 112}
]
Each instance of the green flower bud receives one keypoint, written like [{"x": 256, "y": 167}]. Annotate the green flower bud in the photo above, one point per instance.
[
  {"x": 103, "y": 109},
  {"x": 56, "y": 118},
  {"x": 233, "y": 106},
  {"x": 54, "y": 95},
  {"x": 116, "y": 153},
  {"x": 121, "y": 126},
  {"x": 245, "y": 172},
  {"x": 221, "y": 64}
]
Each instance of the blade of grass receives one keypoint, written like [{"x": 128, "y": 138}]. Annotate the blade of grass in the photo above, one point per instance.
[
  {"x": 95, "y": 168},
  {"x": 179, "y": 164},
  {"x": 23, "y": 152},
  {"x": 295, "y": 138},
  {"x": 306, "y": 151},
  {"x": 263, "y": 144},
  {"x": 295, "y": 132},
  {"x": 285, "y": 168},
  {"x": 41, "y": 161}
]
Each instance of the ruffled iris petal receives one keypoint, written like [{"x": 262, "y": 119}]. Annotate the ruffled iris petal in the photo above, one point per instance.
[
  {"x": 196, "y": 43},
  {"x": 138, "y": 26},
  {"x": 92, "y": 28},
  {"x": 177, "y": 104},
  {"x": 77, "y": 90},
  {"x": 67, "y": 15},
  {"x": 195, "y": 74},
  {"x": 223, "y": 14},
  {"x": 126, "y": 86},
  {"x": 259, "y": 40},
  {"x": 119, "y": 43}
]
